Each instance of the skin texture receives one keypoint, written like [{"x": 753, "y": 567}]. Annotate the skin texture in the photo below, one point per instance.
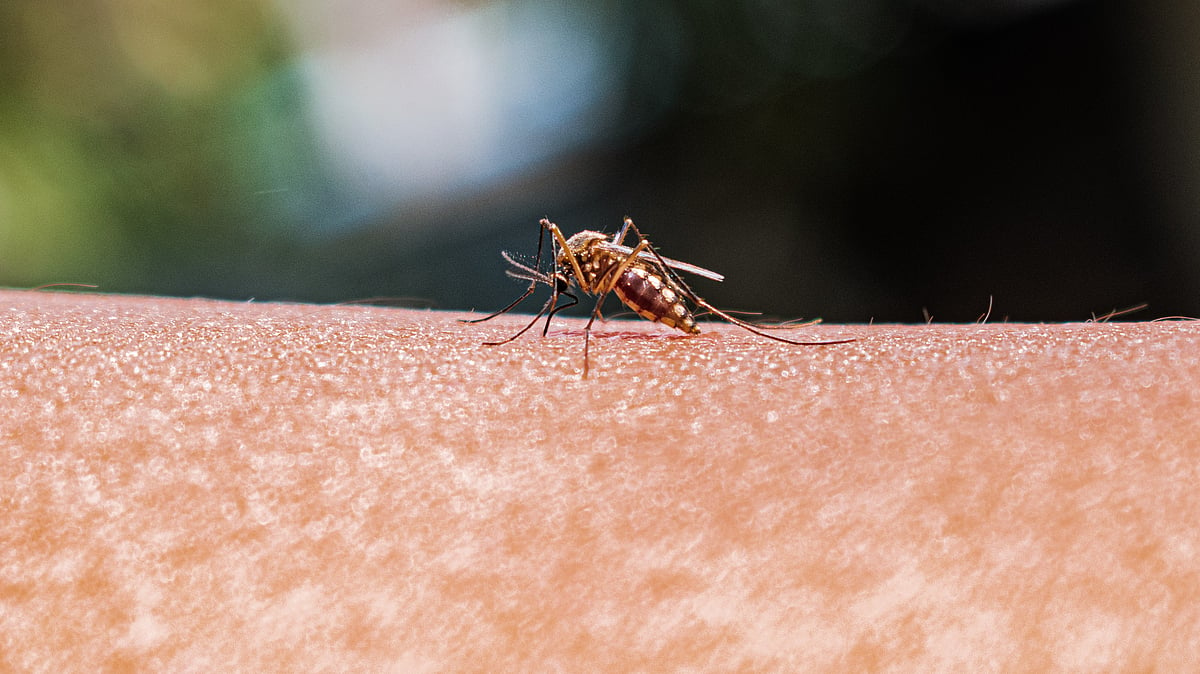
[{"x": 191, "y": 485}]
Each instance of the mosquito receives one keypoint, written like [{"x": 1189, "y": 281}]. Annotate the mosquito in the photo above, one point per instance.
[{"x": 642, "y": 279}]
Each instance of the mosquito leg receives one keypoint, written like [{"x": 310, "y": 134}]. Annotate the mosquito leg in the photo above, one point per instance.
[
  {"x": 559, "y": 242},
  {"x": 624, "y": 230},
  {"x": 701, "y": 302},
  {"x": 643, "y": 244},
  {"x": 552, "y": 304},
  {"x": 525, "y": 329},
  {"x": 756, "y": 330},
  {"x": 537, "y": 265},
  {"x": 573, "y": 302},
  {"x": 527, "y": 293}
]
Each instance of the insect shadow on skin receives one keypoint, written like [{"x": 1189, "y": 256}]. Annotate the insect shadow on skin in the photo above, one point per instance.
[{"x": 641, "y": 278}]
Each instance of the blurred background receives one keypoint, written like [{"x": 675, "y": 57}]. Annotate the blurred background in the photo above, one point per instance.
[{"x": 867, "y": 160}]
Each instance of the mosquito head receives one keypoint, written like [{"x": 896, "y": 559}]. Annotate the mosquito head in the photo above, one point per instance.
[{"x": 561, "y": 282}]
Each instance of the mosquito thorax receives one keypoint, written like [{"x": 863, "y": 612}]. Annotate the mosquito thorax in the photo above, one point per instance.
[
  {"x": 579, "y": 243},
  {"x": 585, "y": 252}
]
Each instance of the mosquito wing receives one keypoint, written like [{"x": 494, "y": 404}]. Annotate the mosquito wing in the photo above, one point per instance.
[{"x": 674, "y": 264}]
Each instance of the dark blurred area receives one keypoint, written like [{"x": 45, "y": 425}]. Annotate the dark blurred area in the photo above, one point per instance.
[{"x": 879, "y": 160}]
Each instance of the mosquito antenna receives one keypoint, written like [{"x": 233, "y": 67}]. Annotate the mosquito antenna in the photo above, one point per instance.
[
  {"x": 523, "y": 271},
  {"x": 525, "y": 276}
]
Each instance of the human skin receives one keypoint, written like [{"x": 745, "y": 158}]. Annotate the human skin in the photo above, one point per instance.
[{"x": 191, "y": 485}]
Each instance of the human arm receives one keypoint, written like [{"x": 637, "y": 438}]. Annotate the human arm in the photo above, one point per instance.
[{"x": 291, "y": 486}]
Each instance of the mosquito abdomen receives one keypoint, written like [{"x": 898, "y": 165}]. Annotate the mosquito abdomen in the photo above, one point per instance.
[{"x": 655, "y": 298}]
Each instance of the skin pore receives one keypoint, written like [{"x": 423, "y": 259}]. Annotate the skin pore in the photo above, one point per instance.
[{"x": 196, "y": 484}]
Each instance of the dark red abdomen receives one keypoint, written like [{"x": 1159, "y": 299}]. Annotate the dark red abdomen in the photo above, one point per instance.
[{"x": 655, "y": 298}]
